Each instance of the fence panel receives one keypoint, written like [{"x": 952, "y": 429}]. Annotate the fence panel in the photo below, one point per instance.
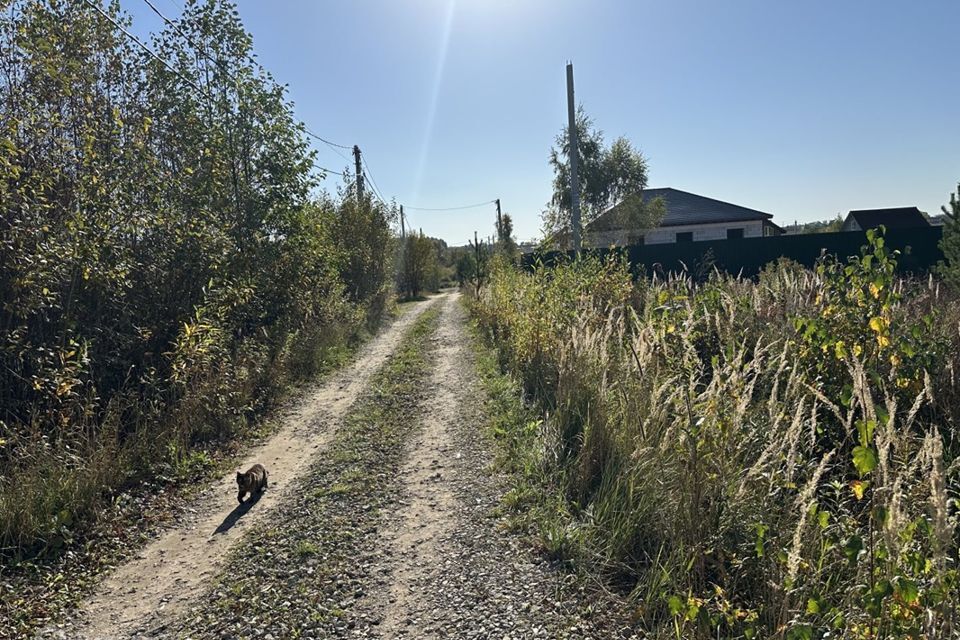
[{"x": 919, "y": 252}]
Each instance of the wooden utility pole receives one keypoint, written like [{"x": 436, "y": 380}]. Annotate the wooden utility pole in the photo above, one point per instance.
[
  {"x": 499, "y": 222},
  {"x": 356, "y": 160},
  {"x": 402, "y": 234},
  {"x": 574, "y": 157}
]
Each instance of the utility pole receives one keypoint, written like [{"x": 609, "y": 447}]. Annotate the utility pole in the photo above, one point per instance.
[
  {"x": 356, "y": 160},
  {"x": 499, "y": 221},
  {"x": 402, "y": 234},
  {"x": 574, "y": 156}
]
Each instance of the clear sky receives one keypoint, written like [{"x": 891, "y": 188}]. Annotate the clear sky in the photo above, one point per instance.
[{"x": 801, "y": 109}]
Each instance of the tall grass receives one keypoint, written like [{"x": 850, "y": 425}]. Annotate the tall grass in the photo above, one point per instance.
[{"x": 771, "y": 458}]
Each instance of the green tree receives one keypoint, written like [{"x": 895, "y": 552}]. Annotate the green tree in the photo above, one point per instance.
[
  {"x": 950, "y": 244},
  {"x": 418, "y": 265},
  {"x": 614, "y": 175},
  {"x": 506, "y": 244}
]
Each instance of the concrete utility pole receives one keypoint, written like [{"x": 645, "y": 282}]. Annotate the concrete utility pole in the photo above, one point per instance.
[
  {"x": 499, "y": 222},
  {"x": 356, "y": 160},
  {"x": 574, "y": 156},
  {"x": 402, "y": 234}
]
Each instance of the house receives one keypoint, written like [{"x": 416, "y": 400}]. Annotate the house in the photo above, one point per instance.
[
  {"x": 895, "y": 218},
  {"x": 689, "y": 218}
]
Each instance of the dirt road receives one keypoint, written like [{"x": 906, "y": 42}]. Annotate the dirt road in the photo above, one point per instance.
[{"x": 380, "y": 522}]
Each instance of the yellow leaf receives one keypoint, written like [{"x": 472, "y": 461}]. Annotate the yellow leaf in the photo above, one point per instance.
[
  {"x": 878, "y": 324},
  {"x": 840, "y": 349},
  {"x": 874, "y": 290},
  {"x": 859, "y": 487}
]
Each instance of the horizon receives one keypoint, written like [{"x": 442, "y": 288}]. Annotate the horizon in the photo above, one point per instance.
[{"x": 455, "y": 103}]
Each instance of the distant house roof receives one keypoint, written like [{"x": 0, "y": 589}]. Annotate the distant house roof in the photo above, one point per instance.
[
  {"x": 685, "y": 208},
  {"x": 893, "y": 218}
]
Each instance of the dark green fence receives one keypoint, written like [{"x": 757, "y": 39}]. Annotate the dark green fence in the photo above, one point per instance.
[{"x": 919, "y": 249}]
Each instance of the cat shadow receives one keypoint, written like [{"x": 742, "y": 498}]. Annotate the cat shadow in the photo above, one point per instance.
[{"x": 238, "y": 512}]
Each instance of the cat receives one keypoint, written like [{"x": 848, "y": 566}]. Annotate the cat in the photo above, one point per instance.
[{"x": 254, "y": 480}]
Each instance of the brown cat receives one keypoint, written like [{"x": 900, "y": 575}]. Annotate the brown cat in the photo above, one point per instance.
[{"x": 254, "y": 480}]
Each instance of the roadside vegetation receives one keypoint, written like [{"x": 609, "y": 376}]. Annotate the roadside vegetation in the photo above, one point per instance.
[
  {"x": 167, "y": 265},
  {"x": 742, "y": 459}
]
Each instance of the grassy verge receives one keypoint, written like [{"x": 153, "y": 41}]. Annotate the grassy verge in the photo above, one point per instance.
[
  {"x": 772, "y": 458},
  {"x": 534, "y": 504},
  {"x": 124, "y": 508},
  {"x": 302, "y": 571}
]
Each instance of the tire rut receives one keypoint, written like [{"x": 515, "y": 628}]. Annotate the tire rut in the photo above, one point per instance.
[{"x": 170, "y": 572}]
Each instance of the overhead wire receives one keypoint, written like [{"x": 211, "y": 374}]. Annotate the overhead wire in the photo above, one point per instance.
[
  {"x": 143, "y": 46},
  {"x": 373, "y": 183},
  {"x": 202, "y": 50},
  {"x": 334, "y": 146},
  {"x": 468, "y": 206}
]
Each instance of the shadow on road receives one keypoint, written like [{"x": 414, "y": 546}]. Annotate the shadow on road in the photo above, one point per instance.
[{"x": 238, "y": 512}]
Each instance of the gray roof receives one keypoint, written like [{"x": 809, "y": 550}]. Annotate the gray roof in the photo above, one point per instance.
[
  {"x": 685, "y": 208},
  {"x": 891, "y": 218}
]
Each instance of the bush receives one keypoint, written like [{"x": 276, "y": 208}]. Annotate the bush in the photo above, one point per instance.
[
  {"x": 749, "y": 459},
  {"x": 164, "y": 271}
]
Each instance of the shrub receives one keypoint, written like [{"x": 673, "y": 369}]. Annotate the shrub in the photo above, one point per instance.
[{"x": 749, "y": 459}]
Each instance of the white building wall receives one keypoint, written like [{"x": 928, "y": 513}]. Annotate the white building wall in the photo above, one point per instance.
[{"x": 664, "y": 235}]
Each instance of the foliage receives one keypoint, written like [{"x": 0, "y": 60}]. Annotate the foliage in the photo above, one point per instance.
[
  {"x": 832, "y": 225},
  {"x": 419, "y": 266},
  {"x": 163, "y": 267},
  {"x": 614, "y": 175},
  {"x": 726, "y": 453},
  {"x": 950, "y": 244}
]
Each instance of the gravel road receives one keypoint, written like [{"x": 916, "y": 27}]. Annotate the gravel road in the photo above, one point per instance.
[{"x": 382, "y": 524}]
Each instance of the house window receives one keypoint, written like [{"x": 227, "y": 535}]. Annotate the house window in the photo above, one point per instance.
[
  {"x": 734, "y": 234},
  {"x": 686, "y": 236}
]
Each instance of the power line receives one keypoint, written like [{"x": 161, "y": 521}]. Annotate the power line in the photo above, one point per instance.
[
  {"x": 325, "y": 170},
  {"x": 219, "y": 63},
  {"x": 468, "y": 206},
  {"x": 97, "y": 8},
  {"x": 373, "y": 183},
  {"x": 202, "y": 51},
  {"x": 327, "y": 142}
]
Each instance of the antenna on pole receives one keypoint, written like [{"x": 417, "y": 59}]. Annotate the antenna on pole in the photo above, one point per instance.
[{"x": 574, "y": 157}]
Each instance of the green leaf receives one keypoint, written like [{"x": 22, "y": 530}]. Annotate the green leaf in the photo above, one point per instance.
[
  {"x": 852, "y": 548},
  {"x": 864, "y": 459},
  {"x": 800, "y": 632},
  {"x": 907, "y": 590},
  {"x": 675, "y": 604}
]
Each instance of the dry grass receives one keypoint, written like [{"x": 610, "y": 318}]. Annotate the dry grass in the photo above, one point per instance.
[{"x": 743, "y": 474}]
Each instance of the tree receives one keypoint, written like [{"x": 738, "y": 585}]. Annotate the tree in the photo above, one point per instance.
[
  {"x": 614, "y": 175},
  {"x": 418, "y": 266},
  {"x": 466, "y": 266},
  {"x": 506, "y": 245},
  {"x": 950, "y": 244}
]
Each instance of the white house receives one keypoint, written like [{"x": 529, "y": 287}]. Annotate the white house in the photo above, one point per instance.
[{"x": 689, "y": 218}]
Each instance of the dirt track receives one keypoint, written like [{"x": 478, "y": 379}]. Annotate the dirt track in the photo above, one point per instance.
[
  {"x": 415, "y": 550},
  {"x": 169, "y": 573}
]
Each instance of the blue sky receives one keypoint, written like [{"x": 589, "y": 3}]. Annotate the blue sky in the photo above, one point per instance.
[{"x": 800, "y": 109}]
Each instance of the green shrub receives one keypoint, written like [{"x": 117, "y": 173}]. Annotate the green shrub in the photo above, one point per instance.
[{"x": 750, "y": 459}]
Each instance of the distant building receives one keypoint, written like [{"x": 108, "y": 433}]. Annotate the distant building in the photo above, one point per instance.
[
  {"x": 894, "y": 218},
  {"x": 689, "y": 218}
]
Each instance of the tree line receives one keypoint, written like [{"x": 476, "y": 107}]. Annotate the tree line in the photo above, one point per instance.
[{"x": 167, "y": 261}]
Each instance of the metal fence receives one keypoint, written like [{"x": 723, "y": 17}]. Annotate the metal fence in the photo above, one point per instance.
[{"x": 919, "y": 252}]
